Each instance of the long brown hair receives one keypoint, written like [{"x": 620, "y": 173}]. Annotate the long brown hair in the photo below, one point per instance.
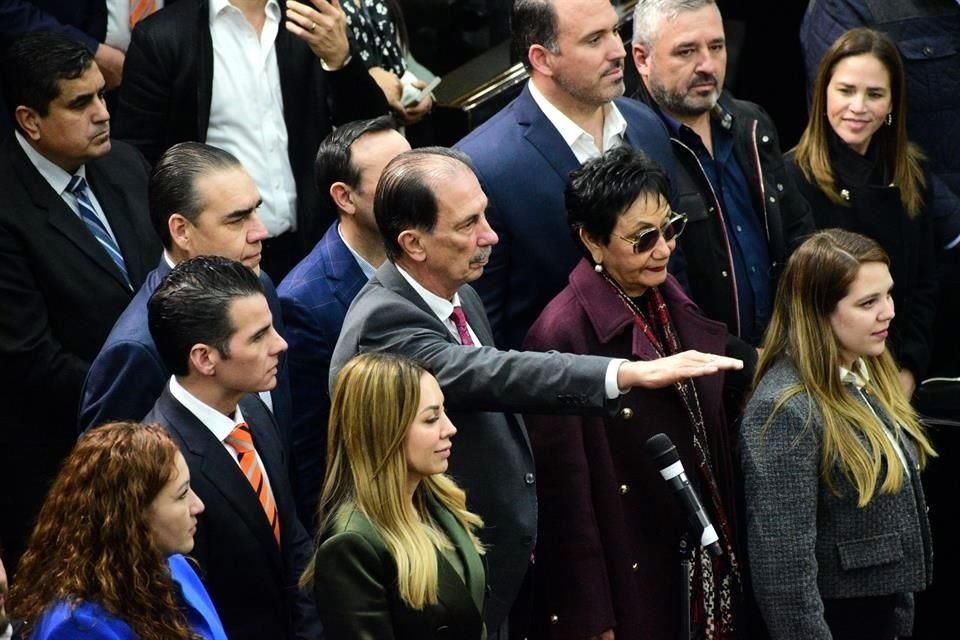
[
  {"x": 817, "y": 276},
  {"x": 92, "y": 541},
  {"x": 896, "y": 152}
]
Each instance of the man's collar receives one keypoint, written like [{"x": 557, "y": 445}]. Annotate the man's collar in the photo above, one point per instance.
[
  {"x": 219, "y": 424},
  {"x": 54, "y": 174},
  {"x": 441, "y": 307},
  {"x": 570, "y": 131},
  {"x": 271, "y": 9},
  {"x": 368, "y": 269}
]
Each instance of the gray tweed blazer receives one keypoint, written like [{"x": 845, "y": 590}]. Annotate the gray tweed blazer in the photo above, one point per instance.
[{"x": 806, "y": 544}]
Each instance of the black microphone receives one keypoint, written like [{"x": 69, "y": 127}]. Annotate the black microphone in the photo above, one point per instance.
[{"x": 665, "y": 456}]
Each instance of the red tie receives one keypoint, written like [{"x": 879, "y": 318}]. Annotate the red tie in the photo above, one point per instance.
[
  {"x": 460, "y": 321},
  {"x": 241, "y": 440}
]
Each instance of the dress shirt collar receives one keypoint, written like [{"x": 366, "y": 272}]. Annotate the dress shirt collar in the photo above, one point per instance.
[
  {"x": 272, "y": 9},
  {"x": 56, "y": 177},
  {"x": 440, "y": 306},
  {"x": 368, "y": 269},
  {"x": 614, "y": 125},
  {"x": 220, "y": 425},
  {"x": 168, "y": 259},
  {"x": 859, "y": 378}
]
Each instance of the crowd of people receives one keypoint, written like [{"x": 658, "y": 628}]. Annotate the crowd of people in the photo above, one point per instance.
[{"x": 437, "y": 423}]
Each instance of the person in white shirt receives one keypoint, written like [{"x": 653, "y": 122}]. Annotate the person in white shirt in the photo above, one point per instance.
[{"x": 265, "y": 80}]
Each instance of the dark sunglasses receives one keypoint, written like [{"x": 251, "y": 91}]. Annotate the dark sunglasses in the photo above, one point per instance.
[{"x": 647, "y": 239}]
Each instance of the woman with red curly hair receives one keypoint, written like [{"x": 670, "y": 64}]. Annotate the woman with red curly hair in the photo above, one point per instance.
[{"x": 105, "y": 558}]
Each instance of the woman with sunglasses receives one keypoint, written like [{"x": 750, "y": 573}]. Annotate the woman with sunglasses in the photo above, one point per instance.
[{"x": 610, "y": 530}]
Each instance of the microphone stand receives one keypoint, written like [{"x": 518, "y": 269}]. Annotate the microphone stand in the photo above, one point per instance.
[{"x": 685, "y": 553}]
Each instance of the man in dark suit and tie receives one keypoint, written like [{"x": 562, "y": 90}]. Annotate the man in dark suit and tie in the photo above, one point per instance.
[
  {"x": 570, "y": 111},
  {"x": 202, "y": 202},
  {"x": 316, "y": 294},
  {"x": 76, "y": 244},
  {"x": 430, "y": 210},
  {"x": 214, "y": 330}
]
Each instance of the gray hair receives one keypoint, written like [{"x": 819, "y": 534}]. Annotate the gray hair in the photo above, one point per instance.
[{"x": 647, "y": 16}]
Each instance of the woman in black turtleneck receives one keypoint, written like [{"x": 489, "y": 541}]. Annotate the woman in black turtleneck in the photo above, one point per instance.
[{"x": 859, "y": 172}]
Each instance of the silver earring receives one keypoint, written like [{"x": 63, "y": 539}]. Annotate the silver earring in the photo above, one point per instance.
[
  {"x": 598, "y": 268},
  {"x": 890, "y": 119}
]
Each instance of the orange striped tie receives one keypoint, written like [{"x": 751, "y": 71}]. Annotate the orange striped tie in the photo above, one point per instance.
[
  {"x": 140, "y": 9},
  {"x": 241, "y": 440}
]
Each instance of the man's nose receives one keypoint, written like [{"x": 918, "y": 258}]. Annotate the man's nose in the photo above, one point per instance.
[
  {"x": 258, "y": 231},
  {"x": 488, "y": 237}
]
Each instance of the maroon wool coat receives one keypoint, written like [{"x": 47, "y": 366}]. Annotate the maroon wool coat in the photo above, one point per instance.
[{"x": 609, "y": 527}]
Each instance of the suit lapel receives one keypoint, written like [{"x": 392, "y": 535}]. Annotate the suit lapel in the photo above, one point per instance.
[
  {"x": 222, "y": 472},
  {"x": 452, "y": 591},
  {"x": 541, "y": 133},
  {"x": 59, "y": 215},
  {"x": 390, "y": 278}
]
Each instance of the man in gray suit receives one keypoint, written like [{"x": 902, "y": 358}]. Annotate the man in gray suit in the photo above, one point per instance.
[{"x": 430, "y": 210}]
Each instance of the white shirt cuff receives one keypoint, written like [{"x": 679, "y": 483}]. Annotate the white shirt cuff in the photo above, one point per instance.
[
  {"x": 327, "y": 67},
  {"x": 610, "y": 383}
]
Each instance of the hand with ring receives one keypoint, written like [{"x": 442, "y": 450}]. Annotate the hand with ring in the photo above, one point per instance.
[{"x": 323, "y": 26}]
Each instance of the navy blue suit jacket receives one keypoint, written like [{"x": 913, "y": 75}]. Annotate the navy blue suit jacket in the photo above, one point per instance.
[
  {"x": 127, "y": 376},
  {"x": 523, "y": 165},
  {"x": 314, "y": 298}
]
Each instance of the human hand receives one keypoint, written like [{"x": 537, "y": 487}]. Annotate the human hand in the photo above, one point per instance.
[
  {"x": 391, "y": 86},
  {"x": 908, "y": 382},
  {"x": 110, "y": 62},
  {"x": 418, "y": 111},
  {"x": 606, "y": 635},
  {"x": 323, "y": 27},
  {"x": 655, "y": 374}
]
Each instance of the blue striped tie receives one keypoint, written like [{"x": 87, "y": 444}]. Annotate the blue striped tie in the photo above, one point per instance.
[{"x": 78, "y": 187}]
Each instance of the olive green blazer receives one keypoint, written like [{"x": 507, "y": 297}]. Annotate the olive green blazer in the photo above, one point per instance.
[{"x": 356, "y": 586}]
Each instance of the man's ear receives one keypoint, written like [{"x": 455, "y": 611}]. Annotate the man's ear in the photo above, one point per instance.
[
  {"x": 641, "y": 58},
  {"x": 342, "y": 195},
  {"x": 204, "y": 359},
  {"x": 29, "y": 121},
  {"x": 541, "y": 59},
  {"x": 180, "y": 230},
  {"x": 411, "y": 242}
]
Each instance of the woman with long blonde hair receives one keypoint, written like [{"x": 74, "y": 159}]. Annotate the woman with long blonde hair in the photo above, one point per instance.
[
  {"x": 397, "y": 553},
  {"x": 837, "y": 531},
  {"x": 105, "y": 559}
]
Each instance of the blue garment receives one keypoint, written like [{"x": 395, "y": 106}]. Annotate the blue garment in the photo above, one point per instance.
[
  {"x": 748, "y": 243},
  {"x": 90, "y": 621},
  {"x": 314, "y": 298}
]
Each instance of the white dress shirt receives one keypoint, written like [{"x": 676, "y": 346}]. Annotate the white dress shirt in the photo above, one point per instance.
[
  {"x": 442, "y": 308},
  {"x": 246, "y": 109},
  {"x": 59, "y": 180},
  {"x": 219, "y": 425},
  {"x": 582, "y": 144}
]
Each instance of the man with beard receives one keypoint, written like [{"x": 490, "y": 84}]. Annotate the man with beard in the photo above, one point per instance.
[
  {"x": 430, "y": 208},
  {"x": 745, "y": 216},
  {"x": 570, "y": 111}
]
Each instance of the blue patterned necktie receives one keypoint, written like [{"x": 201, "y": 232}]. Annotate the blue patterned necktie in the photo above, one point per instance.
[{"x": 78, "y": 187}]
